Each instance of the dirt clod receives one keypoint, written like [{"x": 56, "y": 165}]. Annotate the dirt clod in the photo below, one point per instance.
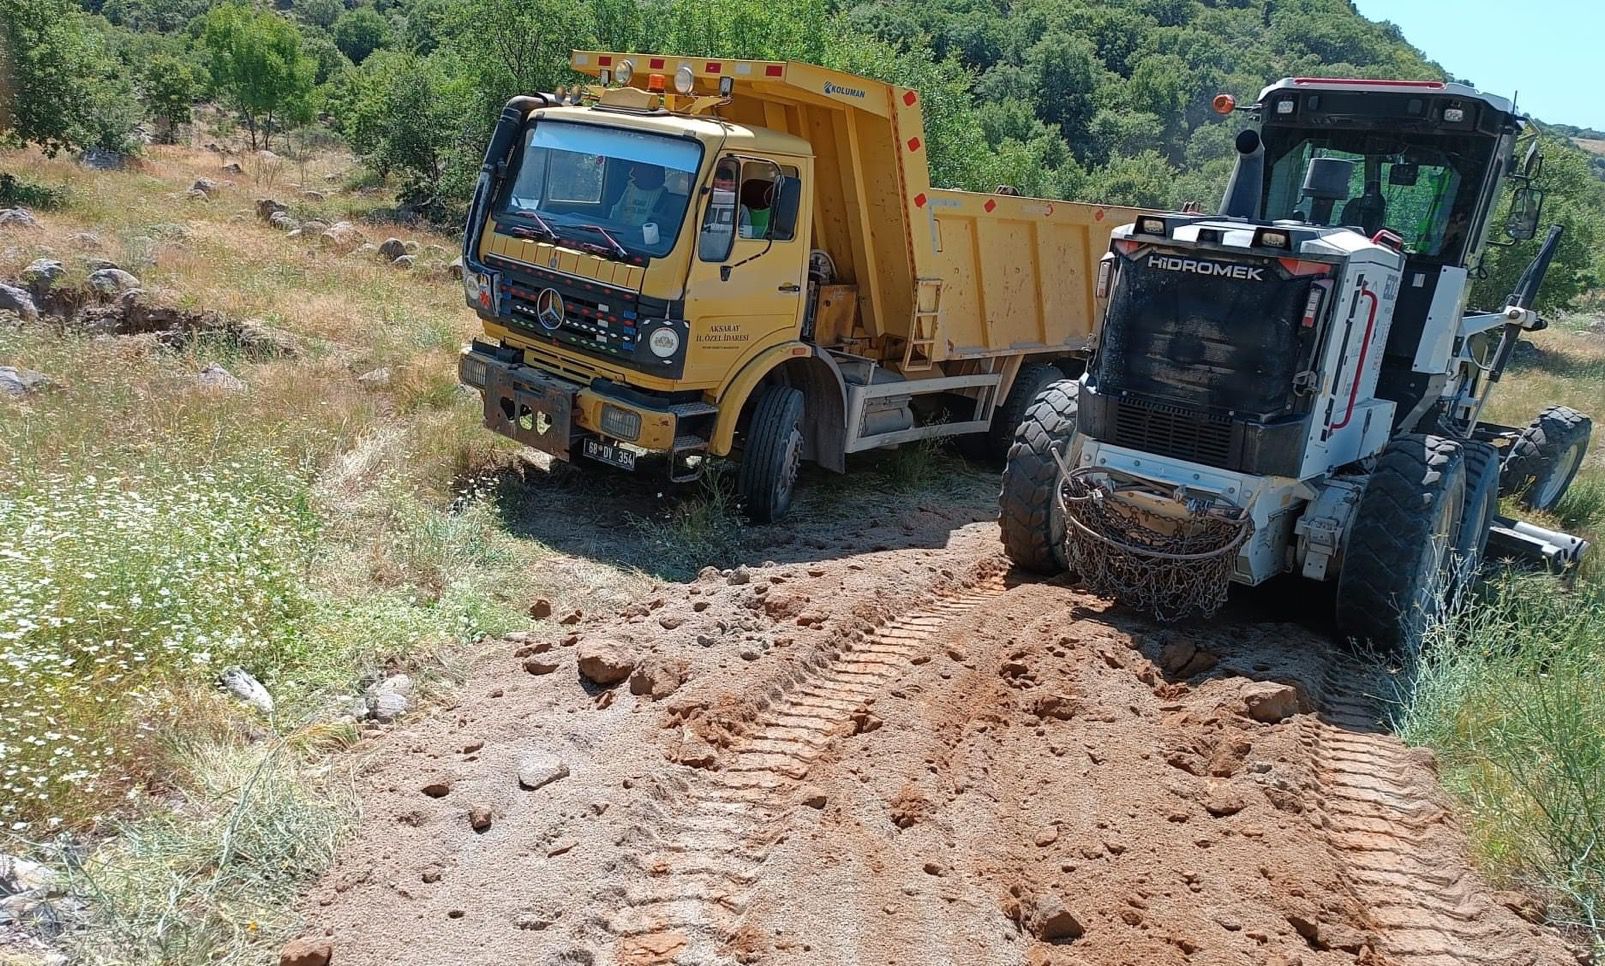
[
  {"x": 1269, "y": 702},
  {"x": 437, "y": 789},
  {"x": 307, "y": 951},
  {"x": 540, "y": 769},
  {"x": 605, "y": 661},
  {"x": 1051, "y": 922},
  {"x": 541, "y": 609},
  {"x": 479, "y": 818}
]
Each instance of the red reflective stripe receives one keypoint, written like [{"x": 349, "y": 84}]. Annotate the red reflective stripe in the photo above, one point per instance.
[
  {"x": 774, "y": 70},
  {"x": 913, "y": 144},
  {"x": 1298, "y": 266},
  {"x": 1359, "y": 367},
  {"x": 909, "y": 97},
  {"x": 712, "y": 68},
  {"x": 656, "y": 63},
  {"x": 604, "y": 62},
  {"x": 990, "y": 204},
  {"x": 919, "y": 200}
]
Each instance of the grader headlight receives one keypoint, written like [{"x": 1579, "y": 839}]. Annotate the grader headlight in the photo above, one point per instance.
[{"x": 626, "y": 70}]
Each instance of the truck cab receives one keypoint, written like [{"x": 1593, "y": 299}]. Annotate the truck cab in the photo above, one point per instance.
[{"x": 698, "y": 257}]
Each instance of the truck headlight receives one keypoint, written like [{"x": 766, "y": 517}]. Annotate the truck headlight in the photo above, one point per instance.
[
  {"x": 620, "y": 423},
  {"x": 471, "y": 371},
  {"x": 663, "y": 342}
]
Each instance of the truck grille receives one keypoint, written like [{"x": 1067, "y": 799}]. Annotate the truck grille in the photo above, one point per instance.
[{"x": 1178, "y": 434}]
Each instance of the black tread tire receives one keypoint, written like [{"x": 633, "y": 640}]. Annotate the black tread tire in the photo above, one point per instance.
[
  {"x": 1028, "y": 507},
  {"x": 1028, "y": 385},
  {"x": 1386, "y": 592},
  {"x": 772, "y": 453},
  {"x": 1541, "y": 452},
  {"x": 1481, "y": 506}
]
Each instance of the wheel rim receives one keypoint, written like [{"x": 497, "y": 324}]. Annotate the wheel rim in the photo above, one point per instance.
[
  {"x": 789, "y": 469},
  {"x": 1555, "y": 484},
  {"x": 1442, "y": 541}
]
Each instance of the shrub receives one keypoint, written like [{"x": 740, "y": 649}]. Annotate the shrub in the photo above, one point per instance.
[{"x": 258, "y": 68}]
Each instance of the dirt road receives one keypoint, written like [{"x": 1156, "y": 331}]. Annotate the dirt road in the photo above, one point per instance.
[{"x": 902, "y": 756}]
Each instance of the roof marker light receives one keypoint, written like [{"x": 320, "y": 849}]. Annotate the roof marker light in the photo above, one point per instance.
[{"x": 1151, "y": 226}]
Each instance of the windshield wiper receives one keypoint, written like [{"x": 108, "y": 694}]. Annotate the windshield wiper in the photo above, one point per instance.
[
  {"x": 544, "y": 227},
  {"x": 617, "y": 248}
]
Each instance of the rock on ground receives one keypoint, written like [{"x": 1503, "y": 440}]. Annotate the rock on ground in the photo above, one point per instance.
[
  {"x": 392, "y": 249},
  {"x": 404, "y": 262},
  {"x": 218, "y": 379},
  {"x": 343, "y": 238},
  {"x": 266, "y": 208},
  {"x": 42, "y": 274},
  {"x": 19, "y": 383},
  {"x": 17, "y": 218},
  {"x": 1269, "y": 702},
  {"x": 13, "y": 299},
  {"x": 606, "y": 662},
  {"x": 539, "y": 769},
  {"x": 244, "y": 685},
  {"x": 112, "y": 281},
  {"x": 657, "y": 677},
  {"x": 375, "y": 378}
]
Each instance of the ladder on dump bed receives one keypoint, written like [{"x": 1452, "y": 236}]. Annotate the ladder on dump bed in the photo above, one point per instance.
[{"x": 919, "y": 350}]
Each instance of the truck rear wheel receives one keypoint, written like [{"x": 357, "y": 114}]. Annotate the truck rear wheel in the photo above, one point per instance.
[
  {"x": 1396, "y": 566},
  {"x": 1028, "y": 385},
  {"x": 1028, "y": 504},
  {"x": 772, "y": 454},
  {"x": 1482, "y": 505},
  {"x": 1546, "y": 457}
]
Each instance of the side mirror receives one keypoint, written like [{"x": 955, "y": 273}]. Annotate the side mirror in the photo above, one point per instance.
[
  {"x": 1526, "y": 207},
  {"x": 783, "y": 218},
  {"x": 1532, "y": 163}
]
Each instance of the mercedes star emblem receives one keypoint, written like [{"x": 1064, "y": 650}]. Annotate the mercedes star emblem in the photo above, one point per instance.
[{"x": 549, "y": 309}]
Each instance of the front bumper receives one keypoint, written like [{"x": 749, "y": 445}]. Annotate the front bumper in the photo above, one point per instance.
[{"x": 554, "y": 415}]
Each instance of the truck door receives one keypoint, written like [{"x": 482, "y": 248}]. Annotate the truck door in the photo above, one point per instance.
[{"x": 750, "y": 271}]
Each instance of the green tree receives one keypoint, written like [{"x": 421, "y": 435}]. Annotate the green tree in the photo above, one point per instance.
[
  {"x": 320, "y": 13},
  {"x": 405, "y": 115},
  {"x": 258, "y": 69},
  {"x": 168, "y": 87},
  {"x": 360, "y": 32},
  {"x": 64, "y": 95}
]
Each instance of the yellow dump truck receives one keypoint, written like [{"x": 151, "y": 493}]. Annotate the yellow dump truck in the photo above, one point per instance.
[{"x": 698, "y": 256}]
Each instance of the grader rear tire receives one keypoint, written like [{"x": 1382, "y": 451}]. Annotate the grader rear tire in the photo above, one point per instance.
[
  {"x": 1396, "y": 565},
  {"x": 1482, "y": 505},
  {"x": 1028, "y": 505},
  {"x": 1546, "y": 457}
]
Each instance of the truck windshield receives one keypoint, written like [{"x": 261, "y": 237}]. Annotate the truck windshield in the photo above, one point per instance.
[
  {"x": 1424, "y": 190},
  {"x": 603, "y": 188}
]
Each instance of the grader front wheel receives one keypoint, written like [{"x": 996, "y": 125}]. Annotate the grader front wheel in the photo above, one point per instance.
[{"x": 1029, "y": 511}]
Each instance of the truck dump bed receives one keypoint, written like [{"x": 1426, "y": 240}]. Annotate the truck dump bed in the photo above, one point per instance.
[{"x": 946, "y": 274}]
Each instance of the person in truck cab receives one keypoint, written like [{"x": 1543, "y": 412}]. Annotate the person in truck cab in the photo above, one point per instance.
[
  {"x": 756, "y": 194},
  {"x": 639, "y": 201}
]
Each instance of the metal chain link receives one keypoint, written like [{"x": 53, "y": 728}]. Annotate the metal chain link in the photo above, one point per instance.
[{"x": 1170, "y": 566}]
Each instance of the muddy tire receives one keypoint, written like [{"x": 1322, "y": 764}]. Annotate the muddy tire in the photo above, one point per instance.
[
  {"x": 1482, "y": 505},
  {"x": 1028, "y": 505},
  {"x": 1028, "y": 385},
  {"x": 1546, "y": 457},
  {"x": 1396, "y": 566},
  {"x": 773, "y": 453}
]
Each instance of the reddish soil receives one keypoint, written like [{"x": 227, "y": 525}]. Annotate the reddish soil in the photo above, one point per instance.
[{"x": 906, "y": 756}]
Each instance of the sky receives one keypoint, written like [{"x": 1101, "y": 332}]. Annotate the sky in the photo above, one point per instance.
[{"x": 1546, "y": 52}]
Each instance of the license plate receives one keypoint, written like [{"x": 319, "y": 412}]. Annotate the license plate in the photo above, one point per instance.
[{"x": 610, "y": 454}]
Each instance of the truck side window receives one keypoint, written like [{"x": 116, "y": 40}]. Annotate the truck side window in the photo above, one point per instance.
[
  {"x": 718, "y": 233},
  {"x": 767, "y": 209}
]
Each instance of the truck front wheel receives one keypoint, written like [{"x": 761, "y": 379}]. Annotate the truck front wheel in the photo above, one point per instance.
[
  {"x": 1029, "y": 512},
  {"x": 1397, "y": 565},
  {"x": 772, "y": 454},
  {"x": 1546, "y": 457}
]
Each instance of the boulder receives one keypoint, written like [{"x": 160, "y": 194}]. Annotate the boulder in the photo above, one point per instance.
[
  {"x": 413, "y": 247},
  {"x": 19, "y": 876},
  {"x": 283, "y": 221},
  {"x": 1053, "y": 923},
  {"x": 311, "y": 195},
  {"x": 539, "y": 769},
  {"x": 17, "y": 218},
  {"x": 405, "y": 262},
  {"x": 232, "y": 167},
  {"x": 375, "y": 378},
  {"x": 392, "y": 249},
  {"x": 21, "y": 383},
  {"x": 390, "y": 705},
  {"x": 13, "y": 299},
  {"x": 42, "y": 274},
  {"x": 102, "y": 160},
  {"x": 341, "y": 238},
  {"x": 244, "y": 686},
  {"x": 215, "y": 378},
  {"x": 204, "y": 185},
  {"x": 85, "y": 239},
  {"x": 455, "y": 269},
  {"x": 367, "y": 249},
  {"x": 112, "y": 281},
  {"x": 265, "y": 207},
  {"x": 605, "y": 662},
  {"x": 265, "y": 341}
]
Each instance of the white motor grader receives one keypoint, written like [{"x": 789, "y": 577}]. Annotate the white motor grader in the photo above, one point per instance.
[{"x": 1293, "y": 385}]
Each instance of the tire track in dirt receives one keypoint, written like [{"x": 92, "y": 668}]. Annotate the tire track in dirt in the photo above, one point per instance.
[
  {"x": 1428, "y": 905},
  {"x": 698, "y": 857}
]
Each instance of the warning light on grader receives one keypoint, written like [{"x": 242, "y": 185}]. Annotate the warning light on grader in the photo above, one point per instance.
[
  {"x": 1224, "y": 103},
  {"x": 654, "y": 83}
]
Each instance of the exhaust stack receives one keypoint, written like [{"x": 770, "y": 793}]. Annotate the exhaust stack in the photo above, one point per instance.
[{"x": 1242, "y": 197}]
